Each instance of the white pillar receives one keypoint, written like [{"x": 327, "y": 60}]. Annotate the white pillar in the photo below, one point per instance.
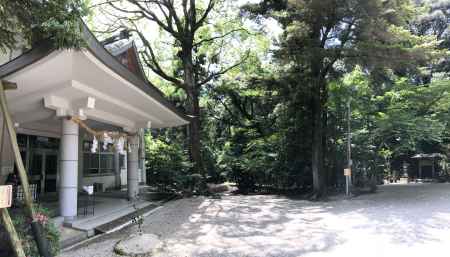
[
  {"x": 142, "y": 157},
  {"x": 117, "y": 169},
  {"x": 124, "y": 175},
  {"x": 68, "y": 189},
  {"x": 133, "y": 167}
]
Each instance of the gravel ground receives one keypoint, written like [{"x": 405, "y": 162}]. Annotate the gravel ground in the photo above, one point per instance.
[{"x": 399, "y": 220}]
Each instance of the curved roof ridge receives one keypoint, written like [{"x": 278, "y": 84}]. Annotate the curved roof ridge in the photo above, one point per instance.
[{"x": 93, "y": 45}]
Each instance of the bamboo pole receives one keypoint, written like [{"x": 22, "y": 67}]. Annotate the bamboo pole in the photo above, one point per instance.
[
  {"x": 5, "y": 217},
  {"x": 41, "y": 241},
  {"x": 2, "y": 138},
  {"x": 12, "y": 233}
]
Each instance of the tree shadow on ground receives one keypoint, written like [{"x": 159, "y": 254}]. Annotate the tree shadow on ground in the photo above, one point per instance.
[
  {"x": 249, "y": 226},
  {"x": 264, "y": 225},
  {"x": 274, "y": 225},
  {"x": 407, "y": 214}
]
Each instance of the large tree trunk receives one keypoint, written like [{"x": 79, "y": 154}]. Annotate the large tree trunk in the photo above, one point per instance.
[
  {"x": 325, "y": 148},
  {"x": 318, "y": 171},
  {"x": 333, "y": 153},
  {"x": 194, "y": 136},
  {"x": 318, "y": 86},
  {"x": 317, "y": 150},
  {"x": 193, "y": 107}
]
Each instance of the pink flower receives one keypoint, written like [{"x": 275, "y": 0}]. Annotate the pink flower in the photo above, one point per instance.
[{"x": 41, "y": 218}]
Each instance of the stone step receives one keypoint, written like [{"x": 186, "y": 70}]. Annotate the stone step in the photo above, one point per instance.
[
  {"x": 155, "y": 196},
  {"x": 71, "y": 237},
  {"x": 124, "y": 220},
  {"x": 90, "y": 224},
  {"x": 112, "y": 221}
]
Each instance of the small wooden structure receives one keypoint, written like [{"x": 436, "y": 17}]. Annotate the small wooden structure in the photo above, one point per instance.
[{"x": 427, "y": 165}]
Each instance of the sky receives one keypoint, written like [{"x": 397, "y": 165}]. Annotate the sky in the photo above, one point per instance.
[
  {"x": 271, "y": 29},
  {"x": 271, "y": 26}
]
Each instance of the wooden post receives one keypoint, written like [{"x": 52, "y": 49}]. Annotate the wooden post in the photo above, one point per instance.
[
  {"x": 41, "y": 241},
  {"x": 432, "y": 167},
  {"x": 420, "y": 169},
  {"x": 12, "y": 233},
  {"x": 20, "y": 167}
]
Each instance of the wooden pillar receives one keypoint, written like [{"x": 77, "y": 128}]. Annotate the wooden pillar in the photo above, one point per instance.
[
  {"x": 420, "y": 168},
  {"x": 432, "y": 168}
]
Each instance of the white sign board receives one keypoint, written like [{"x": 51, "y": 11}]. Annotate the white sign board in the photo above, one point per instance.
[
  {"x": 347, "y": 172},
  {"x": 5, "y": 196}
]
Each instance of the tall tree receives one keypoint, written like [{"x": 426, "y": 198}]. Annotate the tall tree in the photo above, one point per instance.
[
  {"x": 322, "y": 36},
  {"x": 25, "y": 21},
  {"x": 186, "y": 23},
  {"x": 434, "y": 20}
]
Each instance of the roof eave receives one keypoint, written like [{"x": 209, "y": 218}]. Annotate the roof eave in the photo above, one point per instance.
[
  {"x": 46, "y": 47},
  {"x": 96, "y": 48}
]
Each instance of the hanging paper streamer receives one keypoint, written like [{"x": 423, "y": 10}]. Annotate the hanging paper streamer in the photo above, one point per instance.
[
  {"x": 94, "y": 145},
  {"x": 99, "y": 134},
  {"x": 120, "y": 144},
  {"x": 106, "y": 141},
  {"x": 118, "y": 139}
]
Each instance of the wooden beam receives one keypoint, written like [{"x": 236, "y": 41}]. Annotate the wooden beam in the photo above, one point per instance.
[{"x": 9, "y": 85}]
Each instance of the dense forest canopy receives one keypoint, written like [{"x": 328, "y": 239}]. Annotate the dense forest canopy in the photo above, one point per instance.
[
  {"x": 270, "y": 84},
  {"x": 23, "y": 22},
  {"x": 274, "y": 86},
  {"x": 282, "y": 95}
]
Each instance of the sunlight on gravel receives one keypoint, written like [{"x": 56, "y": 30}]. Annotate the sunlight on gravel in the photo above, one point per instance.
[{"x": 400, "y": 220}]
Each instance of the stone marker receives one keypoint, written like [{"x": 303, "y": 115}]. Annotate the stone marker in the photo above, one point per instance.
[{"x": 139, "y": 245}]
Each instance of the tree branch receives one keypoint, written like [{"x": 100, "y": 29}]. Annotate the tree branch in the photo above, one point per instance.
[
  {"x": 200, "y": 22},
  {"x": 150, "y": 15},
  {"x": 215, "y": 75},
  {"x": 152, "y": 62},
  {"x": 169, "y": 4},
  {"x": 218, "y": 37}
]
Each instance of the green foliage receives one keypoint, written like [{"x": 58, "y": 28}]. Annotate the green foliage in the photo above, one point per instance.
[
  {"x": 390, "y": 123},
  {"x": 259, "y": 123},
  {"x": 27, "y": 21},
  {"x": 168, "y": 165}
]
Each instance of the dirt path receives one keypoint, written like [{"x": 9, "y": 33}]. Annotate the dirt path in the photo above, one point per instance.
[{"x": 400, "y": 220}]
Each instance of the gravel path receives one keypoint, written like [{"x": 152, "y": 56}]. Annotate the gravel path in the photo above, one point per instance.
[{"x": 400, "y": 220}]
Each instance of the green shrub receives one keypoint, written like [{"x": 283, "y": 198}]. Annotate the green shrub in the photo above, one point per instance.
[
  {"x": 23, "y": 227},
  {"x": 168, "y": 166}
]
